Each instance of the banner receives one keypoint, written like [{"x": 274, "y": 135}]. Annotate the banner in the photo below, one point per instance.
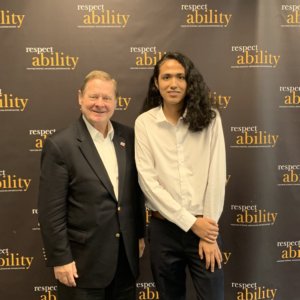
[{"x": 248, "y": 53}]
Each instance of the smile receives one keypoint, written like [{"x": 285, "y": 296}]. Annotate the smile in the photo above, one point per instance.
[
  {"x": 173, "y": 93},
  {"x": 99, "y": 112}
]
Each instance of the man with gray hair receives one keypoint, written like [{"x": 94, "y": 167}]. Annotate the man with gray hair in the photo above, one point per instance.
[{"x": 91, "y": 209}]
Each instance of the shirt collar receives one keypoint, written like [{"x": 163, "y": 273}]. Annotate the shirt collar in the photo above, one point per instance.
[
  {"x": 95, "y": 134},
  {"x": 160, "y": 116}
]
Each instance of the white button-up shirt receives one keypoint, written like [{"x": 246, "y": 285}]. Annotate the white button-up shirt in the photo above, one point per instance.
[
  {"x": 107, "y": 152},
  {"x": 182, "y": 173}
]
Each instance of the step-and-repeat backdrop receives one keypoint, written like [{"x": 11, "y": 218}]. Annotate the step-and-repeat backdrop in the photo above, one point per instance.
[{"x": 248, "y": 52}]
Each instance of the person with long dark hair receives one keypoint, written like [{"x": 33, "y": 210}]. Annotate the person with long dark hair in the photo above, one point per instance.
[{"x": 181, "y": 162}]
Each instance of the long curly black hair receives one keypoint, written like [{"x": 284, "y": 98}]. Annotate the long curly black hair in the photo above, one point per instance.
[{"x": 197, "y": 102}]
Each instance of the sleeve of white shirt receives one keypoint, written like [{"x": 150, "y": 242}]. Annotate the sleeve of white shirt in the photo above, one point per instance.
[
  {"x": 159, "y": 198},
  {"x": 215, "y": 190}
]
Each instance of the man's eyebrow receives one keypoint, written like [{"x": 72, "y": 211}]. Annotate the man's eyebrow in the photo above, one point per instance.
[{"x": 173, "y": 73}]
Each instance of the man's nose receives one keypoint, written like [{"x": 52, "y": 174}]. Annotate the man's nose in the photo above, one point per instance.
[
  {"x": 100, "y": 101},
  {"x": 173, "y": 83}
]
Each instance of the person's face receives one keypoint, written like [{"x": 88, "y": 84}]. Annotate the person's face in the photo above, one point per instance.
[
  {"x": 98, "y": 102},
  {"x": 171, "y": 82}
]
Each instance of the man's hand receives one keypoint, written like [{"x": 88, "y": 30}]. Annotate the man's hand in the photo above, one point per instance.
[
  {"x": 206, "y": 229},
  {"x": 211, "y": 253},
  {"x": 66, "y": 274},
  {"x": 141, "y": 247}
]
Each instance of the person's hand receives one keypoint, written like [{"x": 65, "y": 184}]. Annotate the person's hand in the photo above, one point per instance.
[
  {"x": 66, "y": 274},
  {"x": 206, "y": 229},
  {"x": 141, "y": 247},
  {"x": 212, "y": 254}
]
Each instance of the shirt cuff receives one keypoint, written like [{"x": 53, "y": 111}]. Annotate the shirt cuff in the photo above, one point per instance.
[{"x": 186, "y": 221}]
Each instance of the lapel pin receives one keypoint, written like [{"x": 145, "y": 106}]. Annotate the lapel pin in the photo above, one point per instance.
[{"x": 122, "y": 144}]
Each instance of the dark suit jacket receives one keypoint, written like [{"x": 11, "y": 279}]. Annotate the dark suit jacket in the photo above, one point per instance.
[{"x": 79, "y": 215}]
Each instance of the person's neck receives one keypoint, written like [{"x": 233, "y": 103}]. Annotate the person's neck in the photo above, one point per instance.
[
  {"x": 102, "y": 129},
  {"x": 172, "y": 113}
]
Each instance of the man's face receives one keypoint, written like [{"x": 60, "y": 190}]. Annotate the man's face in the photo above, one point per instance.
[
  {"x": 171, "y": 83},
  {"x": 98, "y": 102}
]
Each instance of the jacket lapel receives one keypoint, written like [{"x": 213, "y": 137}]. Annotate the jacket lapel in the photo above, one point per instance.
[
  {"x": 120, "y": 148},
  {"x": 90, "y": 153}
]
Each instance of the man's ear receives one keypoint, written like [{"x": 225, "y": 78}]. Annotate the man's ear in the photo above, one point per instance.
[{"x": 79, "y": 97}]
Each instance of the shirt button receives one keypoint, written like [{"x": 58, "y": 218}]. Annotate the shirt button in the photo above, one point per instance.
[
  {"x": 119, "y": 208},
  {"x": 117, "y": 235}
]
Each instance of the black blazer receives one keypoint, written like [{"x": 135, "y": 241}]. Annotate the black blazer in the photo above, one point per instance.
[{"x": 79, "y": 215}]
